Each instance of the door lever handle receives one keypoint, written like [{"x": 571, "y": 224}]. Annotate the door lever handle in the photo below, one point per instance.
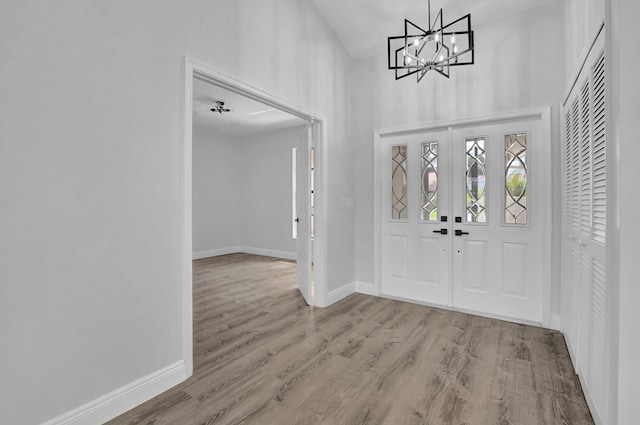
[
  {"x": 460, "y": 232},
  {"x": 441, "y": 231}
]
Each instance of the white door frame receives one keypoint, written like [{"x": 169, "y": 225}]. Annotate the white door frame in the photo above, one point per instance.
[
  {"x": 543, "y": 113},
  {"x": 194, "y": 68}
]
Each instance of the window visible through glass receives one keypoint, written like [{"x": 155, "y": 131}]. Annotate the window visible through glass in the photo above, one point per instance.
[{"x": 515, "y": 178}]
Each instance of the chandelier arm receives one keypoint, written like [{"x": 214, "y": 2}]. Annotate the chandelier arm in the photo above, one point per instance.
[
  {"x": 467, "y": 17},
  {"x": 442, "y": 73},
  {"x": 435, "y": 55},
  {"x": 406, "y": 21},
  {"x": 455, "y": 55},
  {"x": 422, "y": 46},
  {"x": 396, "y": 51},
  {"x": 407, "y": 74},
  {"x": 421, "y": 76},
  {"x": 432, "y": 26}
]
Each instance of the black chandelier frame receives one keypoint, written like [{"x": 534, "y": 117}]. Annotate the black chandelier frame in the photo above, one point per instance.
[{"x": 407, "y": 59}]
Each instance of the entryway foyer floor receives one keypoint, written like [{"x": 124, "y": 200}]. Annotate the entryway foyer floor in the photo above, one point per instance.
[{"x": 261, "y": 356}]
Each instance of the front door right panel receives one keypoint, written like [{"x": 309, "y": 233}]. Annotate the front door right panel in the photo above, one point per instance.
[{"x": 497, "y": 254}]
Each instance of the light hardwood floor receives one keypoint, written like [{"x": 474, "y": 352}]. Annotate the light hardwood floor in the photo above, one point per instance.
[{"x": 261, "y": 356}]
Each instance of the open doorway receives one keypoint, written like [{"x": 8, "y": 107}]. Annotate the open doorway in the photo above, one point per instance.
[
  {"x": 242, "y": 170},
  {"x": 308, "y": 130}
]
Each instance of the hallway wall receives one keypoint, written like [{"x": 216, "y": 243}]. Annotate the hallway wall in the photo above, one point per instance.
[
  {"x": 90, "y": 159},
  {"x": 242, "y": 192},
  {"x": 216, "y": 192},
  {"x": 265, "y": 213},
  {"x": 625, "y": 92}
]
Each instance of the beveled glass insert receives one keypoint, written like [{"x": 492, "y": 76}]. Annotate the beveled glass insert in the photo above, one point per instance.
[
  {"x": 429, "y": 183},
  {"x": 515, "y": 178},
  {"x": 475, "y": 181},
  {"x": 399, "y": 182}
]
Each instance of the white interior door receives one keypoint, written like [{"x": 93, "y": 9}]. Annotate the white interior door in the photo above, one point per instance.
[
  {"x": 302, "y": 209},
  {"x": 463, "y": 217}
]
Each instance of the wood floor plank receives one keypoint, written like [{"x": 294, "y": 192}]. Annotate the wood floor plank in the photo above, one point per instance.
[{"x": 261, "y": 356}]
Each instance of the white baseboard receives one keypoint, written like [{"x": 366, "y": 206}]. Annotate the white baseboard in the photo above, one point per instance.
[
  {"x": 197, "y": 255},
  {"x": 366, "y": 288},
  {"x": 556, "y": 322},
  {"x": 340, "y": 293},
  {"x": 124, "y": 398},
  {"x": 215, "y": 252},
  {"x": 348, "y": 289},
  {"x": 269, "y": 252},
  {"x": 464, "y": 310}
]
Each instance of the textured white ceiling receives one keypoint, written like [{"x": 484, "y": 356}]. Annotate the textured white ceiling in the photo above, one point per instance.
[
  {"x": 247, "y": 117},
  {"x": 364, "y": 25}
]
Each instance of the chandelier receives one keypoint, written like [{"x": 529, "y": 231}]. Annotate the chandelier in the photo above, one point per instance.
[{"x": 438, "y": 48}]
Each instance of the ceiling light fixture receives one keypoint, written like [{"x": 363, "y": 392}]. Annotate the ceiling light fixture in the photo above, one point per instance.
[
  {"x": 442, "y": 46},
  {"x": 219, "y": 107}
]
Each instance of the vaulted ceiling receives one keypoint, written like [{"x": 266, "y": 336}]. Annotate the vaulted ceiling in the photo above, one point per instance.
[{"x": 364, "y": 25}]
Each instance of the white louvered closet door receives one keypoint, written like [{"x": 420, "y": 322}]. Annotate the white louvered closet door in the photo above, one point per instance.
[{"x": 584, "y": 244}]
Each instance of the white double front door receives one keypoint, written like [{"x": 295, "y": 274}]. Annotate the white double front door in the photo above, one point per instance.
[{"x": 463, "y": 217}]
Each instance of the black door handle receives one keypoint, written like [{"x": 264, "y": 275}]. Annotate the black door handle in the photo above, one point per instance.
[
  {"x": 460, "y": 232},
  {"x": 297, "y": 220},
  {"x": 441, "y": 231}
]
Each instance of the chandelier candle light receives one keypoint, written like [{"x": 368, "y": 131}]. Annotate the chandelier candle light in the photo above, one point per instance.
[{"x": 442, "y": 46}]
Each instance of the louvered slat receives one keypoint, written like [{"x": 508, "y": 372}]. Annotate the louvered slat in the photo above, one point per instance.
[
  {"x": 585, "y": 161},
  {"x": 575, "y": 169},
  {"x": 599, "y": 201},
  {"x": 571, "y": 306},
  {"x": 568, "y": 164},
  {"x": 584, "y": 314},
  {"x": 597, "y": 372},
  {"x": 575, "y": 283}
]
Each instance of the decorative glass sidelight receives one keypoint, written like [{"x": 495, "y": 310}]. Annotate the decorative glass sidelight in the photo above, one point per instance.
[
  {"x": 515, "y": 178},
  {"x": 476, "y": 180},
  {"x": 429, "y": 182},
  {"x": 399, "y": 182}
]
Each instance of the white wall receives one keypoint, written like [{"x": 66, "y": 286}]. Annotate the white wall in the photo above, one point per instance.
[
  {"x": 90, "y": 165},
  {"x": 518, "y": 66},
  {"x": 216, "y": 190},
  {"x": 583, "y": 21},
  {"x": 265, "y": 212},
  {"x": 622, "y": 21},
  {"x": 242, "y": 192}
]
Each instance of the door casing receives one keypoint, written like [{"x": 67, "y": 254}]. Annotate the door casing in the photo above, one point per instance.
[{"x": 195, "y": 69}]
